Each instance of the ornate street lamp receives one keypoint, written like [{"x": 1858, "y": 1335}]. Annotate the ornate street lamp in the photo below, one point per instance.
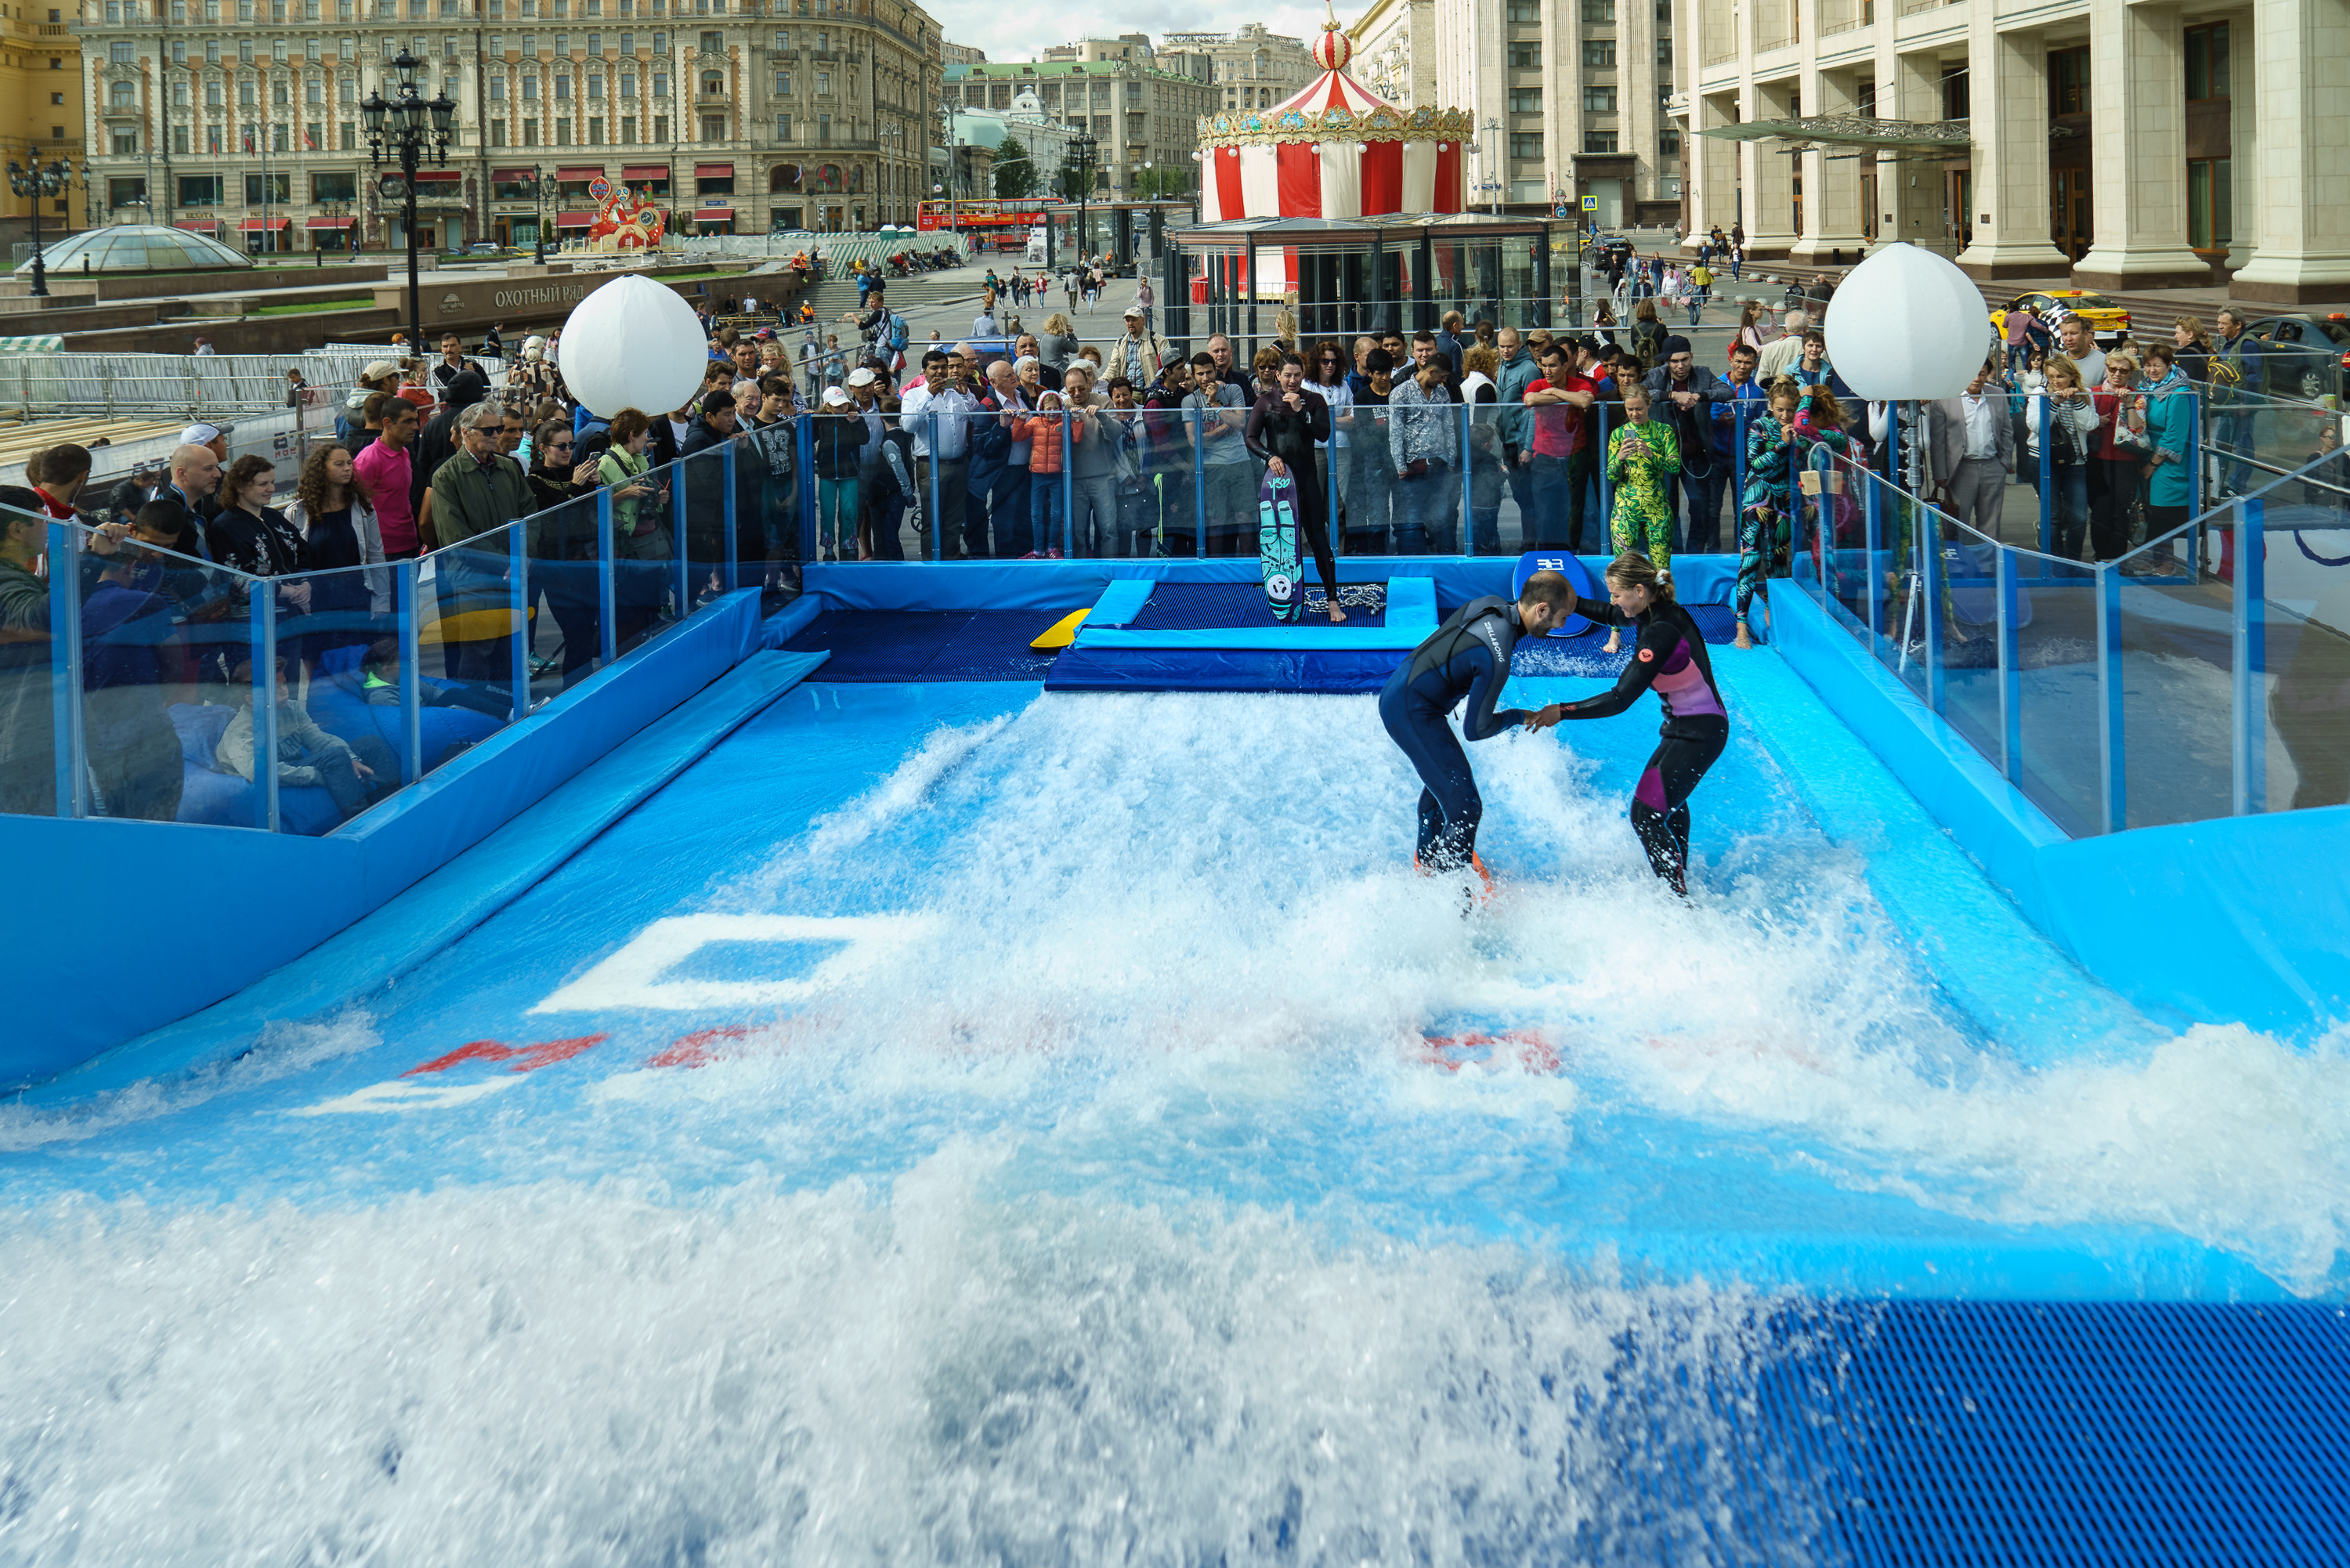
[
  {"x": 38, "y": 181},
  {"x": 402, "y": 129},
  {"x": 537, "y": 217}
]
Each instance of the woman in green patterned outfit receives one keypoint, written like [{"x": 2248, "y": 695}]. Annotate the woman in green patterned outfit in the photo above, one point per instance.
[{"x": 1641, "y": 455}]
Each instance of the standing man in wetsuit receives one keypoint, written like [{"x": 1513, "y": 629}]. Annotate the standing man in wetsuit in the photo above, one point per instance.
[{"x": 1469, "y": 655}]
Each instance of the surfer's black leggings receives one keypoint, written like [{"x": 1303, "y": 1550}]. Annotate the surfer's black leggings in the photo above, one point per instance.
[
  {"x": 1660, "y": 802},
  {"x": 1314, "y": 523},
  {"x": 1450, "y": 805}
]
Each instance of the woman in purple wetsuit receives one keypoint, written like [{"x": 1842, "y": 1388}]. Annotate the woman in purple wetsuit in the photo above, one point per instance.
[{"x": 1668, "y": 656}]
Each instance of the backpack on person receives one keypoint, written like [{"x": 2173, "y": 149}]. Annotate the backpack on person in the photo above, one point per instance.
[{"x": 896, "y": 333}]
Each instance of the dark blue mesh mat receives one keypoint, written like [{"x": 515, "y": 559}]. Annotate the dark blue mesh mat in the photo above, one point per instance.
[
  {"x": 1211, "y": 607},
  {"x": 875, "y": 645}
]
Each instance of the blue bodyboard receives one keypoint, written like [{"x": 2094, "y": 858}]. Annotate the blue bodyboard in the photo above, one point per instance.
[{"x": 1572, "y": 568}]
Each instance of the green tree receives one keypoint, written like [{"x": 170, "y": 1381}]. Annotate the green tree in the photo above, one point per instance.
[{"x": 1016, "y": 176}]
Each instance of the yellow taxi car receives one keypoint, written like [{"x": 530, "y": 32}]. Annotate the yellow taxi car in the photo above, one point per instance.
[{"x": 2105, "y": 320}]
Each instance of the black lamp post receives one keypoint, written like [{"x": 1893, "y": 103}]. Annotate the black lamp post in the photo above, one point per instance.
[
  {"x": 537, "y": 218},
  {"x": 38, "y": 181},
  {"x": 1081, "y": 147},
  {"x": 400, "y": 129}
]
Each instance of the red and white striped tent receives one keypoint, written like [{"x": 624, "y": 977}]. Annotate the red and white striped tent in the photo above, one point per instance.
[{"x": 1335, "y": 151}]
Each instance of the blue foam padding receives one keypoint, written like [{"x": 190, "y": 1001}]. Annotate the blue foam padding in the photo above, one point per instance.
[
  {"x": 1066, "y": 585},
  {"x": 1220, "y": 669},
  {"x": 937, "y": 647},
  {"x": 1215, "y": 607},
  {"x": 1411, "y": 606},
  {"x": 780, "y": 628},
  {"x": 290, "y": 893},
  {"x": 1120, "y": 603},
  {"x": 421, "y": 921},
  {"x": 1410, "y": 617}
]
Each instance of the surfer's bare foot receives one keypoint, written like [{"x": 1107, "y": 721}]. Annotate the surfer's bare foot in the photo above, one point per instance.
[
  {"x": 1336, "y": 615},
  {"x": 1744, "y": 638}
]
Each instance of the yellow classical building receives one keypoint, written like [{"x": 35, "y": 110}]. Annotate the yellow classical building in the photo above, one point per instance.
[{"x": 40, "y": 105}]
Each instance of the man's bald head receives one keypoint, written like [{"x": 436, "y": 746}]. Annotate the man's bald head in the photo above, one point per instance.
[
  {"x": 1000, "y": 376},
  {"x": 195, "y": 470}
]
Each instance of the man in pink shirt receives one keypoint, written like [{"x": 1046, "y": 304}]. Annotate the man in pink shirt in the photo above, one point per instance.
[
  {"x": 1562, "y": 451},
  {"x": 383, "y": 469}
]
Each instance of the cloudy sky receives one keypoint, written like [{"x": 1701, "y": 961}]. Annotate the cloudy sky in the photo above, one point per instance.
[{"x": 1019, "y": 32}]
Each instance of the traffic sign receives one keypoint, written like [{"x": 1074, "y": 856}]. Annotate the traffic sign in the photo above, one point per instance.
[{"x": 1591, "y": 203}]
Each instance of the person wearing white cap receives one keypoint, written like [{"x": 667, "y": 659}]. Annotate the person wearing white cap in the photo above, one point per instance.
[
  {"x": 1139, "y": 354},
  {"x": 837, "y": 443},
  {"x": 865, "y": 391},
  {"x": 212, "y": 436}
]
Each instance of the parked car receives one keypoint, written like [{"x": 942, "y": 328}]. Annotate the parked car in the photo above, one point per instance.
[
  {"x": 1603, "y": 247},
  {"x": 2106, "y": 321},
  {"x": 2305, "y": 357},
  {"x": 484, "y": 248}
]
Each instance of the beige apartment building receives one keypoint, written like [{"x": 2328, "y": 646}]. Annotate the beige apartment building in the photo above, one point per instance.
[
  {"x": 1568, "y": 96},
  {"x": 1252, "y": 69},
  {"x": 2132, "y": 145},
  {"x": 1144, "y": 118},
  {"x": 240, "y": 118}
]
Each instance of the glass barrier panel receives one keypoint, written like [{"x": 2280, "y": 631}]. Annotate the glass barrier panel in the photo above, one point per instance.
[
  {"x": 2303, "y": 680},
  {"x": 718, "y": 492},
  {"x": 566, "y": 630},
  {"x": 1372, "y": 513},
  {"x": 1904, "y": 526},
  {"x": 469, "y": 644},
  {"x": 1491, "y": 461},
  {"x": 2175, "y": 706},
  {"x": 767, "y": 500},
  {"x": 161, "y": 633},
  {"x": 37, "y": 601},
  {"x": 1967, "y": 606},
  {"x": 1424, "y": 443},
  {"x": 2057, "y": 683},
  {"x": 644, "y": 547}
]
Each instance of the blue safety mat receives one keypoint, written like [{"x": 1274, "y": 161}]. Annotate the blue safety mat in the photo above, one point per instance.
[
  {"x": 934, "y": 646},
  {"x": 1211, "y": 607},
  {"x": 1941, "y": 1434}
]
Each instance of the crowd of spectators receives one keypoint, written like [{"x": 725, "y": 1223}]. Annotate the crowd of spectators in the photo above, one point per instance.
[{"x": 1020, "y": 445}]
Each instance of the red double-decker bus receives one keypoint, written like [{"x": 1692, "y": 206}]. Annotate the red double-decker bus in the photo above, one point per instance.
[{"x": 1009, "y": 220}]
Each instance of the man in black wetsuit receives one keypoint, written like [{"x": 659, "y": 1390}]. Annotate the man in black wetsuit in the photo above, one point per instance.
[{"x": 1469, "y": 655}]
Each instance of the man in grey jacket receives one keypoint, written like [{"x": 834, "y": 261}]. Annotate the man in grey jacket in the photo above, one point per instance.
[
  {"x": 1972, "y": 443},
  {"x": 1092, "y": 460},
  {"x": 1684, "y": 393}
]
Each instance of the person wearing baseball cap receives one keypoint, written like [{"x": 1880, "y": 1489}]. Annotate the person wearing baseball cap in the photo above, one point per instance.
[
  {"x": 1139, "y": 354},
  {"x": 212, "y": 436}
]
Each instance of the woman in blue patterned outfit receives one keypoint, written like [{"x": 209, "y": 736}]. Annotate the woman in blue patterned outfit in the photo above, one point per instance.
[{"x": 1764, "y": 535}]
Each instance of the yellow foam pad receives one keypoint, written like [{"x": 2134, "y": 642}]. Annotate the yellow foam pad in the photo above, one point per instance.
[
  {"x": 469, "y": 626},
  {"x": 1062, "y": 632}
]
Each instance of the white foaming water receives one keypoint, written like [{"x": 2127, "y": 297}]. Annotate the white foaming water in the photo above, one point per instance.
[
  {"x": 1224, "y": 876},
  {"x": 1125, "y": 1221},
  {"x": 917, "y": 1373}
]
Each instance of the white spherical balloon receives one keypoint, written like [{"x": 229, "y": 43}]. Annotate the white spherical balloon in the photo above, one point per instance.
[
  {"x": 633, "y": 344},
  {"x": 1906, "y": 323}
]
